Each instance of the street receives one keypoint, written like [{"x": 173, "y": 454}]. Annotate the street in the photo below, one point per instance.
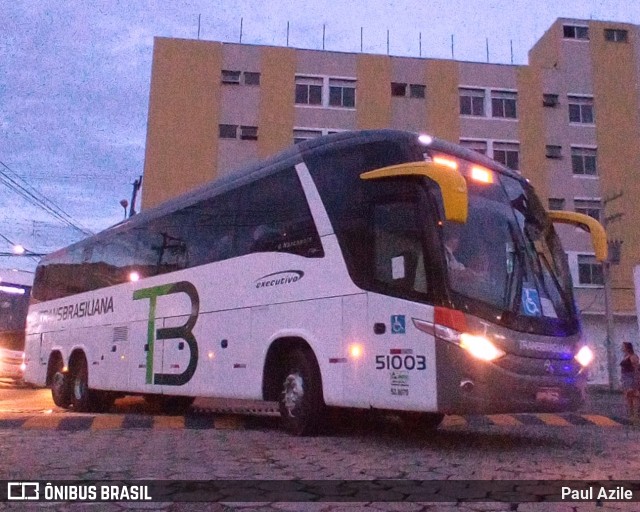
[{"x": 41, "y": 442}]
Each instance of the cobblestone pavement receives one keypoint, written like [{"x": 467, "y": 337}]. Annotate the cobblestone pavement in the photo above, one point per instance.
[{"x": 223, "y": 448}]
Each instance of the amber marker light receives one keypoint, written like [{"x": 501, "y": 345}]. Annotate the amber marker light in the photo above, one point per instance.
[
  {"x": 481, "y": 174},
  {"x": 584, "y": 356},
  {"x": 447, "y": 162},
  {"x": 355, "y": 351}
]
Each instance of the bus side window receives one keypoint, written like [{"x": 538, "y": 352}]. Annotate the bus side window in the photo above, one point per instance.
[
  {"x": 399, "y": 259},
  {"x": 274, "y": 217}
]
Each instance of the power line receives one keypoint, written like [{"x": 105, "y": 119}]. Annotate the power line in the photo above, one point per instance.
[{"x": 31, "y": 195}]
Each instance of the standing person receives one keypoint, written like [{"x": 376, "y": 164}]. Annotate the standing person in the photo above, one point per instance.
[{"x": 629, "y": 378}]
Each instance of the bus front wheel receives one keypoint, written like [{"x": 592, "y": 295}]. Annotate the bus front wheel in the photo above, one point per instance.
[{"x": 301, "y": 404}]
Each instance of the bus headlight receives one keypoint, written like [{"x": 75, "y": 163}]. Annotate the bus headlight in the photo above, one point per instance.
[
  {"x": 584, "y": 356},
  {"x": 480, "y": 347}
]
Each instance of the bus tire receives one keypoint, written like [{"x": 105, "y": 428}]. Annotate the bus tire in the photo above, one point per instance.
[
  {"x": 82, "y": 399},
  {"x": 61, "y": 389},
  {"x": 301, "y": 405}
]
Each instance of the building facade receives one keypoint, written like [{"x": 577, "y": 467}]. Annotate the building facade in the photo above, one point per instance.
[{"x": 569, "y": 121}]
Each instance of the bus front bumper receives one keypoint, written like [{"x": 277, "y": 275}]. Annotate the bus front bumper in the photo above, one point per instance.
[{"x": 469, "y": 386}]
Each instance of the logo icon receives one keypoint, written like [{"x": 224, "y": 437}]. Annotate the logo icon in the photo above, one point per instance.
[
  {"x": 398, "y": 324},
  {"x": 531, "y": 302},
  {"x": 21, "y": 491}
]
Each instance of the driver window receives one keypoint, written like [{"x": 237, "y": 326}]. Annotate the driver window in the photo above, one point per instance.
[{"x": 398, "y": 253}]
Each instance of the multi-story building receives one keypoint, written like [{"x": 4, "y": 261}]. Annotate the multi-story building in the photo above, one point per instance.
[{"x": 569, "y": 121}]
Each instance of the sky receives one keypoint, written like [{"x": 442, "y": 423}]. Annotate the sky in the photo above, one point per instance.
[{"x": 75, "y": 75}]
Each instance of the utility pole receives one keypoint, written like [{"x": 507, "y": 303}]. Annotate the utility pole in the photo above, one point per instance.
[
  {"x": 136, "y": 187},
  {"x": 608, "y": 299}
]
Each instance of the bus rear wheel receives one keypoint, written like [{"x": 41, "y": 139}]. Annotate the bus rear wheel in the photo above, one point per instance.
[
  {"x": 301, "y": 405},
  {"x": 61, "y": 389},
  {"x": 82, "y": 399}
]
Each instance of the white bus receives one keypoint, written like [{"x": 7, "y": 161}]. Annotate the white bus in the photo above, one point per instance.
[{"x": 320, "y": 278}]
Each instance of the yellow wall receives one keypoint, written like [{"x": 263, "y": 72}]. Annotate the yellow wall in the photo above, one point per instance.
[
  {"x": 533, "y": 164},
  {"x": 546, "y": 52},
  {"x": 373, "y": 94},
  {"x": 182, "y": 129},
  {"x": 616, "y": 105},
  {"x": 277, "y": 95},
  {"x": 443, "y": 100}
]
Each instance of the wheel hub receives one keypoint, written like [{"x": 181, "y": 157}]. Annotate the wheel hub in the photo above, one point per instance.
[{"x": 293, "y": 392}]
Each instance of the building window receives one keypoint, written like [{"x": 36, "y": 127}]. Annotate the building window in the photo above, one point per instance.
[
  {"x": 228, "y": 131},
  {"x": 417, "y": 91},
  {"x": 590, "y": 207},
  {"x": 248, "y": 133},
  {"x": 575, "y": 32},
  {"x": 580, "y": 109},
  {"x": 615, "y": 35},
  {"x": 251, "y": 78},
  {"x": 342, "y": 93},
  {"x": 325, "y": 91},
  {"x": 230, "y": 77},
  {"x": 503, "y": 104},
  {"x": 300, "y": 135},
  {"x": 556, "y": 203},
  {"x": 472, "y": 102},
  {"x": 480, "y": 146},
  {"x": 589, "y": 270},
  {"x": 583, "y": 161},
  {"x": 398, "y": 89},
  {"x": 308, "y": 90},
  {"x": 554, "y": 152},
  {"x": 549, "y": 100},
  {"x": 507, "y": 154}
]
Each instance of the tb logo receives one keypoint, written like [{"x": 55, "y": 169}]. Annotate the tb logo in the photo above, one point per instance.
[{"x": 183, "y": 332}]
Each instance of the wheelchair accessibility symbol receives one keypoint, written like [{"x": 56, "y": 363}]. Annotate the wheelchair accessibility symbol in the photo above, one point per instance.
[
  {"x": 398, "y": 324},
  {"x": 531, "y": 302}
]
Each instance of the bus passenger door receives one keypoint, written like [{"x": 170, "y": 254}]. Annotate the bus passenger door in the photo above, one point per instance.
[{"x": 404, "y": 357}]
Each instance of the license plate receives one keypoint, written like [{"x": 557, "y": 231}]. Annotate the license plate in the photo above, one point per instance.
[{"x": 548, "y": 395}]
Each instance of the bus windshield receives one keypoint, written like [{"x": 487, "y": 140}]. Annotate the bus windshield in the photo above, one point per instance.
[{"x": 508, "y": 257}]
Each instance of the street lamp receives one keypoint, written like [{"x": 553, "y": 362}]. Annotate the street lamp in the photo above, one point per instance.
[
  {"x": 124, "y": 203},
  {"x": 19, "y": 250}
]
